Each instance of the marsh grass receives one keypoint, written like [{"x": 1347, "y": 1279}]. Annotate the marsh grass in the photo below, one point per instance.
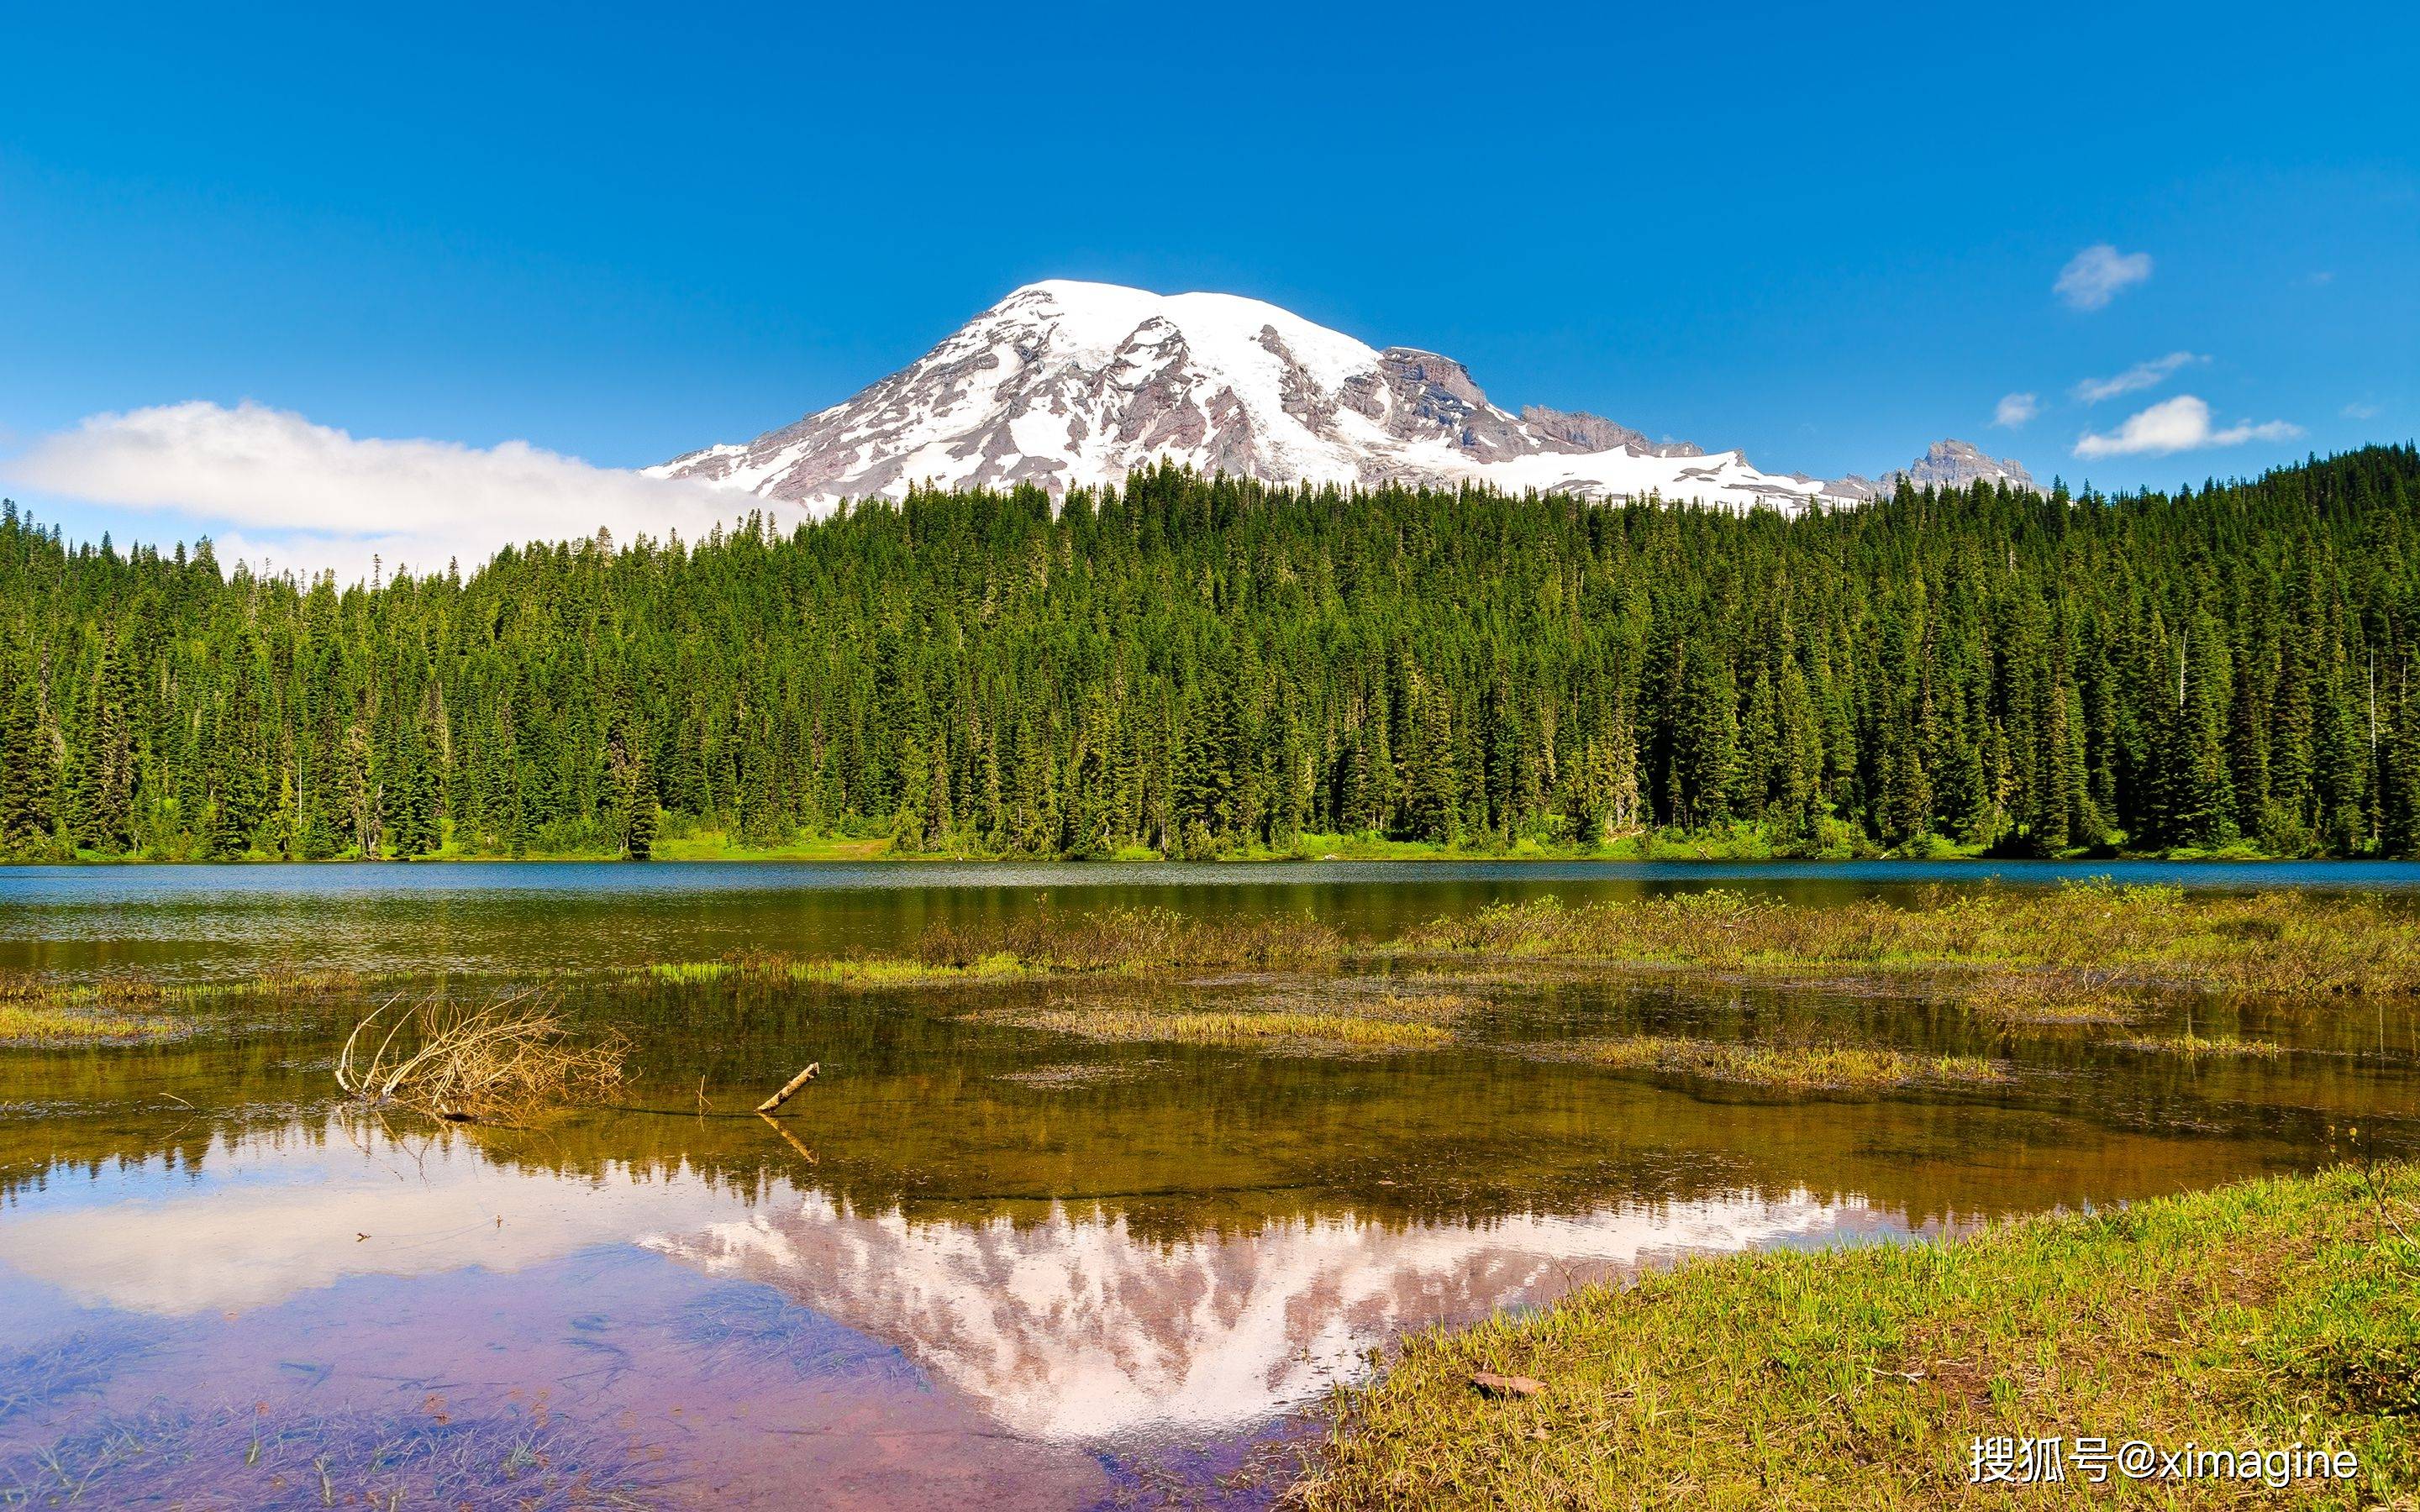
[
  {"x": 506, "y": 1060},
  {"x": 2080, "y": 944},
  {"x": 2089, "y": 953},
  {"x": 779, "y": 968},
  {"x": 122, "y": 1008},
  {"x": 2260, "y": 1314},
  {"x": 1210, "y": 1026},
  {"x": 1796, "y": 1067},
  {"x": 1137, "y": 940},
  {"x": 2193, "y": 1046},
  {"x": 1302, "y": 1018},
  {"x": 2032, "y": 996}
]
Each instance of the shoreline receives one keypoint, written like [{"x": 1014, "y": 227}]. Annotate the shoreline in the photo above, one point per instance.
[{"x": 2255, "y": 1317}]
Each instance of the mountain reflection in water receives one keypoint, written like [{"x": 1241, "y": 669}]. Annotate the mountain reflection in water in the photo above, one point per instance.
[{"x": 1069, "y": 1327}]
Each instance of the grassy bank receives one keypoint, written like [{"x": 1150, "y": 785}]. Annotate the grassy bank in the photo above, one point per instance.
[{"x": 2255, "y": 1316}]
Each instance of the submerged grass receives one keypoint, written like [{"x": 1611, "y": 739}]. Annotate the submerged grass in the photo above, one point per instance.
[
  {"x": 527, "y": 1459},
  {"x": 2257, "y": 1315},
  {"x": 1812, "y": 1067}
]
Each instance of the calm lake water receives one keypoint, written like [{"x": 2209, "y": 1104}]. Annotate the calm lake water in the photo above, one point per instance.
[
  {"x": 501, "y": 917},
  {"x": 980, "y": 1262}
]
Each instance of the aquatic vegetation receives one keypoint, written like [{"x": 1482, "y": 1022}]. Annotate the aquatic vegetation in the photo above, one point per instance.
[
  {"x": 1810, "y": 1067},
  {"x": 2099, "y": 937},
  {"x": 1069, "y": 1074},
  {"x": 1137, "y": 940},
  {"x": 2261, "y": 1314},
  {"x": 2048, "y": 997},
  {"x": 240, "y": 1457},
  {"x": 1117, "y": 941},
  {"x": 2194, "y": 1047},
  {"x": 125, "y": 1008},
  {"x": 37, "y": 1010},
  {"x": 60, "y": 1023},
  {"x": 505, "y": 1060},
  {"x": 1244, "y": 1027},
  {"x": 763, "y": 968}
]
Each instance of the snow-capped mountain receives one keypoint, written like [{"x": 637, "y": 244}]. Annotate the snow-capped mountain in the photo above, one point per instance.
[{"x": 1071, "y": 385}]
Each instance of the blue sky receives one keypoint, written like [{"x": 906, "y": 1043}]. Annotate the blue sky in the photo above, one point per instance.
[{"x": 1827, "y": 236}]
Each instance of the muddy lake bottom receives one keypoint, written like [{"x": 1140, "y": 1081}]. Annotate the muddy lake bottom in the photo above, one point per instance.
[{"x": 976, "y": 1261}]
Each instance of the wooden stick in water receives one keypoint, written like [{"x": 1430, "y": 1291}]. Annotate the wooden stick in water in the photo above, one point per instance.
[{"x": 790, "y": 1088}]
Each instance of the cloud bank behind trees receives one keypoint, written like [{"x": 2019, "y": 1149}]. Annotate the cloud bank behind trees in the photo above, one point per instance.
[{"x": 273, "y": 487}]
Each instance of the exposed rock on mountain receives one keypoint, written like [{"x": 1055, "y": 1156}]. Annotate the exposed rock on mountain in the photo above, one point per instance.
[
  {"x": 1075, "y": 385},
  {"x": 1070, "y": 385},
  {"x": 1958, "y": 465}
]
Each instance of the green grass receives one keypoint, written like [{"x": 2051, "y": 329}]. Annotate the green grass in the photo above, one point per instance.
[
  {"x": 2194, "y": 1047},
  {"x": 1242, "y": 1028},
  {"x": 2257, "y": 1315},
  {"x": 54, "y": 1023},
  {"x": 1794, "y": 1067},
  {"x": 1348, "y": 1021},
  {"x": 859, "y": 972}
]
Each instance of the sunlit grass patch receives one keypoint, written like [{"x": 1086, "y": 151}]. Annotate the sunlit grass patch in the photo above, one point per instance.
[
  {"x": 1235, "y": 1028},
  {"x": 46, "y": 1023},
  {"x": 1809, "y": 1067},
  {"x": 2194, "y": 1047},
  {"x": 2261, "y": 1314},
  {"x": 36, "y": 1009},
  {"x": 760, "y": 967}
]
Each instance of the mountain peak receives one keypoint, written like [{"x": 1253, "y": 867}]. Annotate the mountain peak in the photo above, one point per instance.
[
  {"x": 1067, "y": 384},
  {"x": 1955, "y": 463}
]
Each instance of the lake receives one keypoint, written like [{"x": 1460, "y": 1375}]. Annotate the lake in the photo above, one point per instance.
[{"x": 976, "y": 1259}]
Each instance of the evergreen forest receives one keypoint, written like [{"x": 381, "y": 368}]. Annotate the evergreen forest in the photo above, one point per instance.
[{"x": 1204, "y": 666}]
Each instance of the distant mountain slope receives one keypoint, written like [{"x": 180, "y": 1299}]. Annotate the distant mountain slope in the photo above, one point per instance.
[{"x": 1067, "y": 384}]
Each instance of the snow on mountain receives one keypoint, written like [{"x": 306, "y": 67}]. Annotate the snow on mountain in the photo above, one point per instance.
[{"x": 1070, "y": 385}]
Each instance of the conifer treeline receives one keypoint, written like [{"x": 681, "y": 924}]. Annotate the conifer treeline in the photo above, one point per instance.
[{"x": 1204, "y": 666}]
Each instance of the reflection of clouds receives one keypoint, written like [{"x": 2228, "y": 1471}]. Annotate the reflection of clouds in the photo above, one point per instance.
[
  {"x": 263, "y": 1218},
  {"x": 1075, "y": 1329}
]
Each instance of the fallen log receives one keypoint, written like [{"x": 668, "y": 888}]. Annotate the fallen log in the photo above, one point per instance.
[{"x": 790, "y": 1087}]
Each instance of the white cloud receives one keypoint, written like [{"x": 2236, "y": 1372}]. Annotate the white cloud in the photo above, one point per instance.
[
  {"x": 2140, "y": 375},
  {"x": 2177, "y": 425},
  {"x": 268, "y": 482},
  {"x": 2015, "y": 410},
  {"x": 2358, "y": 411},
  {"x": 2093, "y": 276}
]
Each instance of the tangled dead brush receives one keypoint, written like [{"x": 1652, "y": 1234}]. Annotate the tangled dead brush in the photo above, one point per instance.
[{"x": 504, "y": 1060}]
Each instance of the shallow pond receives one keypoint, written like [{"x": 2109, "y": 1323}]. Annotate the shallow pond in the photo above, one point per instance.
[{"x": 974, "y": 1261}]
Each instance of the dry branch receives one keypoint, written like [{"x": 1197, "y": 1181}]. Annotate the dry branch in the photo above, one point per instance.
[
  {"x": 790, "y": 1087},
  {"x": 511, "y": 1057}
]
